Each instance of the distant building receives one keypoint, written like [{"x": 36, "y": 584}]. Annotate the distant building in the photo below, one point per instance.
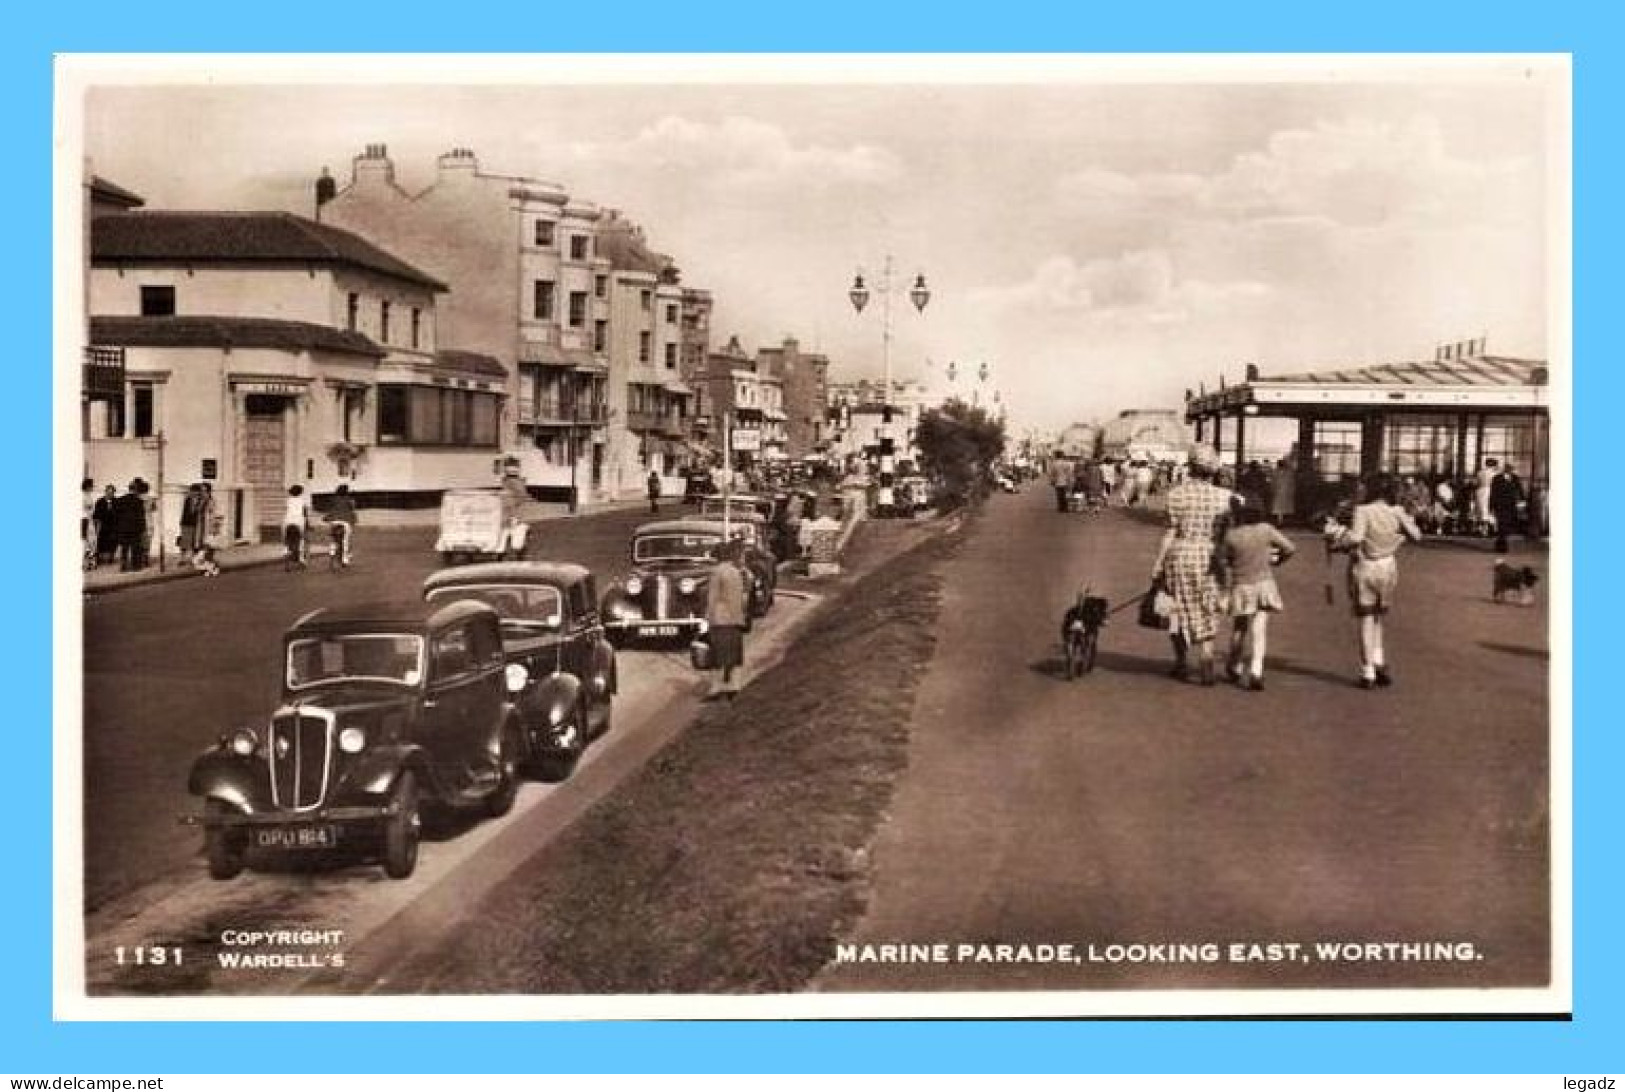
[
  {"x": 805, "y": 380},
  {"x": 1079, "y": 441},
  {"x": 263, "y": 350},
  {"x": 1156, "y": 434}
]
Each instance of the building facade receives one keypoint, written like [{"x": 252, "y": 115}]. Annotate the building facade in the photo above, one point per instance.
[
  {"x": 805, "y": 381},
  {"x": 1155, "y": 434},
  {"x": 264, "y": 350},
  {"x": 530, "y": 290}
]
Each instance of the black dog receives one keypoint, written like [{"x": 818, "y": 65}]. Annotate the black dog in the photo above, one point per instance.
[{"x": 1515, "y": 581}]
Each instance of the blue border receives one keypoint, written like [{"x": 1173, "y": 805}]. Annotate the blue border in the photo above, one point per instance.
[{"x": 34, "y": 1044}]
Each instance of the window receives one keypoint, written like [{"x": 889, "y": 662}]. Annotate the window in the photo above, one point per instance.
[
  {"x": 600, "y": 336},
  {"x": 157, "y": 299},
  {"x": 141, "y": 409},
  {"x": 417, "y": 326},
  {"x": 451, "y": 655},
  {"x": 643, "y": 347},
  {"x": 671, "y": 313},
  {"x": 578, "y": 248},
  {"x": 1337, "y": 449},
  {"x": 1511, "y": 442},
  {"x": 578, "y": 309},
  {"x": 542, "y": 304},
  {"x": 646, "y": 299},
  {"x": 671, "y": 354},
  {"x": 600, "y": 286},
  {"x": 351, "y": 401},
  {"x": 544, "y": 233},
  {"x": 352, "y": 311},
  {"x": 1420, "y": 445},
  {"x": 392, "y": 413},
  {"x": 383, "y": 321},
  {"x": 431, "y": 416}
]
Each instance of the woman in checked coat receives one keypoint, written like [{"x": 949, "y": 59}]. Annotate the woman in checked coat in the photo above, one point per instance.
[{"x": 1198, "y": 515}]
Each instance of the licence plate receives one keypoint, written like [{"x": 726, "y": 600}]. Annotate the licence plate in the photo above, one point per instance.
[
  {"x": 307, "y": 837},
  {"x": 657, "y": 631}
]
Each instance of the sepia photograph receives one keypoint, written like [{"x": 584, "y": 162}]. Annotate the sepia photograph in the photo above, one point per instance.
[{"x": 817, "y": 536}]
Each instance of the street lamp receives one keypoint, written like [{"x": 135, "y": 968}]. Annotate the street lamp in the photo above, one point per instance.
[{"x": 920, "y": 295}]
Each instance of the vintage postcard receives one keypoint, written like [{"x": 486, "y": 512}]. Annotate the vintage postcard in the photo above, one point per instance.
[{"x": 570, "y": 537}]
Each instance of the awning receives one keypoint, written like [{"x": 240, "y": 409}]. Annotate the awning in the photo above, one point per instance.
[
  {"x": 677, "y": 387},
  {"x": 554, "y": 356}
]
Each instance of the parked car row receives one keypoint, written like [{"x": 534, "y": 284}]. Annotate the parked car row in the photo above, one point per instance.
[{"x": 505, "y": 670}]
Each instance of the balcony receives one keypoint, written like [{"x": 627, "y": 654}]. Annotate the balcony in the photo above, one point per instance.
[
  {"x": 104, "y": 372},
  {"x": 562, "y": 412}
]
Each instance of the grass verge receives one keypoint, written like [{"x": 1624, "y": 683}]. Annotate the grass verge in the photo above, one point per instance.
[{"x": 736, "y": 858}]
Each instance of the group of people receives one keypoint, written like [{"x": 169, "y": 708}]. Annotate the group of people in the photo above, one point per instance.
[
  {"x": 1495, "y": 501},
  {"x": 117, "y": 527},
  {"x": 1128, "y": 483},
  {"x": 341, "y": 518},
  {"x": 1215, "y": 560}
]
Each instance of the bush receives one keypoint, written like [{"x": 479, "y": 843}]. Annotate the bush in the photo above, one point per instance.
[{"x": 958, "y": 445}]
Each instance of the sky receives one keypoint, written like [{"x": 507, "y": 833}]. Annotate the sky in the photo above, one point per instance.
[{"x": 1101, "y": 237}]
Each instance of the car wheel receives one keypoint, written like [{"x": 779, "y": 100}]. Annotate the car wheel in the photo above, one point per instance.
[
  {"x": 401, "y": 830},
  {"x": 500, "y": 801},
  {"x": 224, "y": 846}
]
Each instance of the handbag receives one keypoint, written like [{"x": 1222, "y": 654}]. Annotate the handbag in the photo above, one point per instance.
[
  {"x": 699, "y": 654},
  {"x": 1156, "y": 606}
]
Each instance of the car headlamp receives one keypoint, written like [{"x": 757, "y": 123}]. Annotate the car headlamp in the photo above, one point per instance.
[
  {"x": 515, "y": 676},
  {"x": 352, "y": 740},
  {"x": 243, "y": 742},
  {"x": 686, "y": 585},
  {"x": 634, "y": 584}
]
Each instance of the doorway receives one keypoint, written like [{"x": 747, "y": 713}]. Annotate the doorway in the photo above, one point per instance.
[{"x": 265, "y": 465}]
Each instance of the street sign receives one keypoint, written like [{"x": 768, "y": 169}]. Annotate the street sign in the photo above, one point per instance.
[{"x": 747, "y": 439}]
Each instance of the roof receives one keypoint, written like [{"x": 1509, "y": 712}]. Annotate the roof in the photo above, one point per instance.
[
  {"x": 681, "y": 527},
  {"x": 1473, "y": 371},
  {"x": 1461, "y": 382},
  {"x": 242, "y": 237},
  {"x": 397, "y": 617},
  {"x": 114, "y": 194},
  {"x": 464, "y": 360},
  {"x": 508, "y": 572},
  {"x": 227, "y": 332}
]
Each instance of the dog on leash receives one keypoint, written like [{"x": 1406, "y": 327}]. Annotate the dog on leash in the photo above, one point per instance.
[{"x": 1514, "y": 582}]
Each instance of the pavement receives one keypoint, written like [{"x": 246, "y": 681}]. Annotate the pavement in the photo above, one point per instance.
[
  {"x": 249, "y": 555},
  {"x": 1128, "y": 809}
]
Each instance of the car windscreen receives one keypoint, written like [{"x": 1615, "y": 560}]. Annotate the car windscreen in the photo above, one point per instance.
[
  {"x": 658, "y": 547},
  {"x": 385, "y": 657},
  {"x": 527, "y": 606}
]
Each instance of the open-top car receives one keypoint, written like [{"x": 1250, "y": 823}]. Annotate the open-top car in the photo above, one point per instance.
[
  {"x": 663, "y": 597},
  {"x": 563, "y": 677},
  {"x": 748, "y": 505},
  {"x": 384, "y": 712}
]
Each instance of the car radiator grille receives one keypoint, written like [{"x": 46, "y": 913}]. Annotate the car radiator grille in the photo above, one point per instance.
[{"x": 300, "y": 759}]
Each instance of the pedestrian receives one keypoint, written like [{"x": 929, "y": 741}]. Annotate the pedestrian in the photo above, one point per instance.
[
  {"x": 654, "y": 492},
  {"x": 341, "y": 517},
  {"x": 1483, "y": 514},
  {"x": 104, "y": 517},
  {"x": 130, "y": 526},
  {"x": 87, "y": 537},
  {"x": 1060, "y": 477},
  {"x": 295, "y": 525},
  {"x": 149, "y": 522},
  {"x": 725, "y": 607},
  {"x": 1094, "y": 484},
  {"x": 208, "y": 533},
  {"x": 1251, "y": 549},
  {"x": 1283, "y": 493},
  {"x": 1199, "y": 512},
  {"x": 1506, "y": 494},
  {"x": 1378, "y": 529},
  {"x": 190, "y": 540}
]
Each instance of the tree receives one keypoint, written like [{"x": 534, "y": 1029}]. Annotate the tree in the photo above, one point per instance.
[{"x": 958, "y": 445}]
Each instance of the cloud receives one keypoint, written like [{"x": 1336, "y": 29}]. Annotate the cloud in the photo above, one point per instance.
[
  {"x": 1354, "y": 172},
  {"x": 743, "y": 152},
  {"x": 1135, "y": 286}
]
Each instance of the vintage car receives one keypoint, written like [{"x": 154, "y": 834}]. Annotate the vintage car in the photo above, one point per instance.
[
  {"x": 481, "y": 523},
  {"x": 385, "y": 713},
  {"x": 566, "y": 675},
  {"x": 748, "y": 505},
  {"x": 663, "y": 597},
  {"x": 770, "y": 536}
]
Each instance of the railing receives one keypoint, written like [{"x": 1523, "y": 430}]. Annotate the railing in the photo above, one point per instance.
[
  {"x": 561, "y": 411},
  {"x": 104, "y": 372}
]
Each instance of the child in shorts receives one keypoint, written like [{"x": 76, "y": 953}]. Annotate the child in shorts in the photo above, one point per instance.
[{"x": 1250, "y": 550}]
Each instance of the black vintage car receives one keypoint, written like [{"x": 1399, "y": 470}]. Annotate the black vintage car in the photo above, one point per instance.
[
  {"x": 663, "y": 597},
  {"x": 562, "y": 666},
  {"x": 385, "y": 712}
]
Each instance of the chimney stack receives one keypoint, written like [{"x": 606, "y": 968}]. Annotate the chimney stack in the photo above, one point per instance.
[
  {"x": 373, "y": 166},
  {"x": 459, "y": 160}
]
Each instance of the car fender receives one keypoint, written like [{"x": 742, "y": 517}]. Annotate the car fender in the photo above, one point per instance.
[
  {"x": 556, "y": 695},
  {"x": 376, "y": 770},
  {"x": 223, "y": 776},
  {"x": 604, "y": 663}
]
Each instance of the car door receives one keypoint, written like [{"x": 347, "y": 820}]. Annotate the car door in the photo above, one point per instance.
[{"x": 451, "y": 705}]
